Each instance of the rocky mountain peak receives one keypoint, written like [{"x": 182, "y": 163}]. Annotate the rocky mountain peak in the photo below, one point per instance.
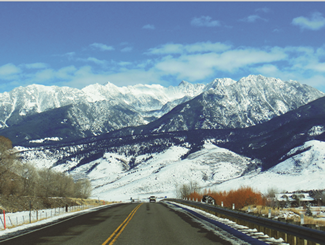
[
  {"x": 219, "y": 83},
  {"x": 224, "y": 103}
]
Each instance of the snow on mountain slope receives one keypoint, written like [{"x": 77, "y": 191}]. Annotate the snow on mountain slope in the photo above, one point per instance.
[
  {"x": 212, "y": 168},
  {"x": 23, "y": 101},
  {"x": 160, "y": 173},
  {"x": 303, "y": 170},
  {"x": 94, "y": 110},
  {"x": 98, "y": 109},
  {"x": 228, "y": 104}
]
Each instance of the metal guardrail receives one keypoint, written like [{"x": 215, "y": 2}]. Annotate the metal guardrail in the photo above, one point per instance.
[{"x": 295, "y": 230}]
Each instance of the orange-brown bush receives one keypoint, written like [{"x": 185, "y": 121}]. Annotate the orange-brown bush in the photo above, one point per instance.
[{"x": 241, "y": 197}]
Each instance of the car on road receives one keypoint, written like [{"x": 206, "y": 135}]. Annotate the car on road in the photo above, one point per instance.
[{"x": 152, "y": 199}]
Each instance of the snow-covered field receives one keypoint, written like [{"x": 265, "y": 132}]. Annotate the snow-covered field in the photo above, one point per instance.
[
  {"x": 24, "y": 217},
  {"x": 212, "y": 167},
  {"x": 162, "y": 173},
  {"x": 304, "y": 171},
  {"x": 46, "y": 216}
]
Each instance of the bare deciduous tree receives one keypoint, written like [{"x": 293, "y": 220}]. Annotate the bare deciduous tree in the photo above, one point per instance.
[
  {"x": 24, "y": 179},
  {"x": 186, "y": 189},
  {"x": 83, "y": 188}
]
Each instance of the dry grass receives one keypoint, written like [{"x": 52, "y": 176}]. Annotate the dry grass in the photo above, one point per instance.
[
  {"x": 288, "y": 213},
  {"x": 21, "y": 203},
  {"x": 93, "y": 202}
]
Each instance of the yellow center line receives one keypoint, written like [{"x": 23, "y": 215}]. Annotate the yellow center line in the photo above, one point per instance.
[{"x": 122, "y": 226}]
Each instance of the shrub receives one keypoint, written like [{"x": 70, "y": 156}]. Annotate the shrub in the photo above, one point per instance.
[{"x": 241, "y": 197}]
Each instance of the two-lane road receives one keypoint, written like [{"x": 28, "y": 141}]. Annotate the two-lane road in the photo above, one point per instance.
[{"x": 121, "y": 224}]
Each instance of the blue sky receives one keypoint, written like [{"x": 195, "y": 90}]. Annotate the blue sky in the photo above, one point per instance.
[{"x": 80, "y": 43}]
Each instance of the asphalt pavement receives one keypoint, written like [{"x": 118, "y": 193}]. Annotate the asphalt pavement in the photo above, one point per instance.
[{"x": 123, "y": 224}]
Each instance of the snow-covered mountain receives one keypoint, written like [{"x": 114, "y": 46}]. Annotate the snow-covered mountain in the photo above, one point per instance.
[
  {"x": 211, "y": 167},
  {"x": 24, "y": 101},
  {"x": 91, "y": 111},
  {"x": 287, "y": 147},
  {"x": 303, "y": 170},
  {"x": 229, "y": 104},
  {"x": 71, "y": 113},
  {"x": 147, "y": 139}
]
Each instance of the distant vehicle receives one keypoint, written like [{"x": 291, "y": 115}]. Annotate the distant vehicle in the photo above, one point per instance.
[{"x": 152, "y": 199}]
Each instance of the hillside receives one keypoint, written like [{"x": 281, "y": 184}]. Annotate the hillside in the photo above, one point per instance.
[
  {"x": 40, "y": 112},
  {"x": 14, "y": 203},
  {"x": 155, "y": 163}
]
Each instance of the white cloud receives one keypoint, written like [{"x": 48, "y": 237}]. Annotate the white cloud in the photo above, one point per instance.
[
  {"x": 206, "y": 47},
  {"x": 44, "y": 75},
  {"x": 135, "y": 76},
  {"x": 93, "y": 60},
  {"x": 252, "y": 18},
  {"x": 126, "y": 49},
  {"x": 315, "y": 22},
  {"x": 194, "y": 62},
  {"x": 66, "y": 72},
  {"x": 149, "y": 27},
  {"x": 316, "y": 66},
  {"x": 268, "y": 70},
  {"x": 8, "y": 71},
  {"x": 97, "y": 61},
  {"x": 201, "y": 47},
  {"x": 265, "y": 10},
  {"x": 315, "y": 81},
  {"x": 321, "y": 51},
  {"x": 36, "y": 65},
  {"x": 124, "y": 63},
  {"x": 188, "y": 67},
  {"x": 204, "y": 21},
  {"x": 69, "y": 55},
  {"x": 101, "y": 47},
  {"x": 169, "y": 48},
  {"x": 85, "y": 76},
  {"x": 193, "y": 67}
]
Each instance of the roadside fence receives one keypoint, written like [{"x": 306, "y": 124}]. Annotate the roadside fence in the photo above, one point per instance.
[{"x": 10, "y": 220}]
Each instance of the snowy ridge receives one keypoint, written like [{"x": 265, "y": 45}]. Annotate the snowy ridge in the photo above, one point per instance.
[
  {"x": 177, "y": 148},
  {"x": 138, "y": 169},
  {"x": 212, "y": 167},
  {"x": 39, "y": 98},
  {"x": 159, "y": 173},
  {"x": 302, "y": 171},
  {"x": 228, "y": 104},
  {"x": 98, "y": 109}
]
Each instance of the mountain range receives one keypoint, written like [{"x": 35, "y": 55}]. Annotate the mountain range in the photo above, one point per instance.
[
  {"x": 148, "y": 139},
  {"x": 38, "y": 112}
]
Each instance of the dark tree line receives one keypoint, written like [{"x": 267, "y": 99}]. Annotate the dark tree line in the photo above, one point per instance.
[{"x": 23, "y": 179}]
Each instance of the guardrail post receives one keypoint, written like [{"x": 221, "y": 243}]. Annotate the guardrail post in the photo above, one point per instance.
[
  {"x": 221, "y": 204},
  {"x": 30, "y": 212},
  {"x": 4, "y": 219},
  {"x": 270, "y": 214},
  {"x": 302, "y": 221},
  {"x": 300, "y": 241},
  {"x": 233, "y": 206}
]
